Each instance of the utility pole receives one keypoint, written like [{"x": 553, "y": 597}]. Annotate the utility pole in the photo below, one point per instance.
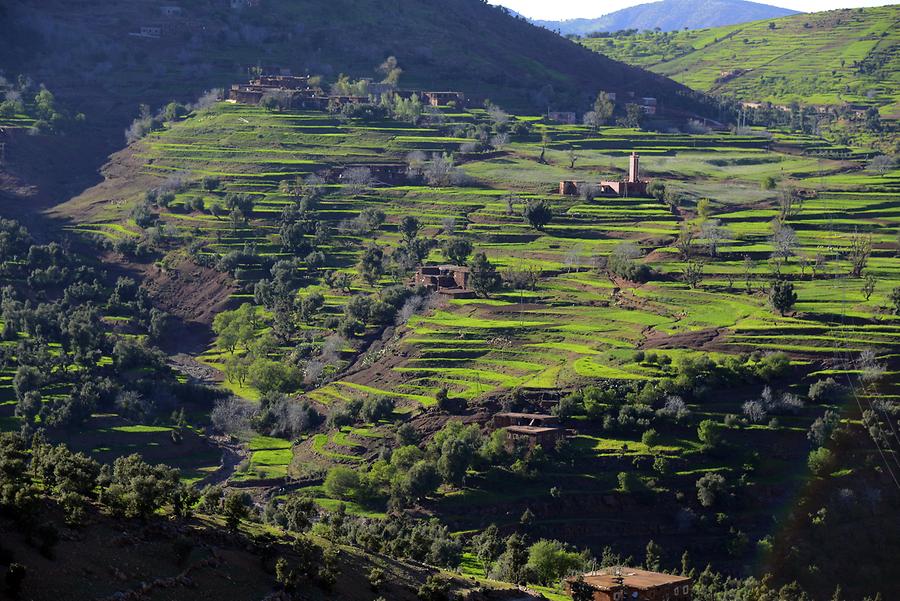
[{"x": 2, "y": 153}]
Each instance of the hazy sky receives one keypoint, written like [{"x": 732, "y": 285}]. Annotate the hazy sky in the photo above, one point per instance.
[{"x": 569, "y": 9}]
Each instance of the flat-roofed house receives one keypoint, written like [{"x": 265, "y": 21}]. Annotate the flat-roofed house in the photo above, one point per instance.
[
  {"x": 631, "y": 584},
  {"x": 532, "y": 428},
  {"x": 451, "y": 280}
]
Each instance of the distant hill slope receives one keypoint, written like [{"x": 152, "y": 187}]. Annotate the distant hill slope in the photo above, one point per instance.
[
  {"x": 672, "y": 15},
  {"x": 89, "y": 48},
  {"x": 832, "y": 57}
]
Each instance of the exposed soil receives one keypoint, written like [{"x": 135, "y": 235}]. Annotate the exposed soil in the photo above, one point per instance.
[
  {"x": 192, "y": 293},
  {"x": 709, "y": 339}
]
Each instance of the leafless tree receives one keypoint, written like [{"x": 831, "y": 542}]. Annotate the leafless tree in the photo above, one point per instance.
[
  {"x": 859, "y": 252},
  {"x": 357, "y": 180},
  {"x": 714, "y": 233},
  {"x": 790, "y": 203},
  {"x": 882, "y": 164},
  {"x": 784, "y": 241},
  {"x": 439, "y": 170},
  {"x": 685, "y": 241},
  {"x": 234, "y": 416},
  {"x": 500, "y": 141}
]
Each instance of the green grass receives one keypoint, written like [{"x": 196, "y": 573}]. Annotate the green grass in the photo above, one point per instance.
[{"x": 807, "y": 58}]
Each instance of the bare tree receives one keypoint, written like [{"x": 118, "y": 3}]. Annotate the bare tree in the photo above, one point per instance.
[
  {"x": 500, "y": 141},
  {"x": 859, "y": 252},
  {"x": 685, "y": 241},
  {"x": 693, "y": 274},
  {"x": 748, "y": 265},
  {"x": 357, "y": 180},
  {"x": 573, "y": 157},
  {"x": 439, "y": 170},
  {"x": 415, "y": 164},
  {"x": 790, "y": 203},
  {"x": 784, "y": 241},
  {"x": 882, "y": 164},
  {"x": 714, "y": 233}
]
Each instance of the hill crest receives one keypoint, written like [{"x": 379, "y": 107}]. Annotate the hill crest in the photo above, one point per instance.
[{"x": 671, "y": 15}]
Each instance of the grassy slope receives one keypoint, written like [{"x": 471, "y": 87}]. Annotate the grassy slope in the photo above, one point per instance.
[{"x": 809, "y": 58}]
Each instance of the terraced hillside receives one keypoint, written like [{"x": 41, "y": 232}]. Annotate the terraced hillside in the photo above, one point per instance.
[
  {"x": 826, "y": 58},
  {"x": 610, "y": 300}
]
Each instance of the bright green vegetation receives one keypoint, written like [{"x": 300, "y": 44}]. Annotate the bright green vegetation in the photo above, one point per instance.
[
  {"x": 694, "y": 321},
  {"x": 827, "y": 58},
  {"x": 574, "y": 322}
]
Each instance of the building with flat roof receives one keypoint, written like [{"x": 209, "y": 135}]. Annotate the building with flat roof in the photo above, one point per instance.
[
  {"x": 631, "y": 584},
  {"x": 506, "y": 419},
  {"x": 450, "y": 280}
]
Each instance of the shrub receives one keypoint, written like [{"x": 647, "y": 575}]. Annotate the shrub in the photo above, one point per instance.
[
  {"x": 827, "y": 391},
  {"x": 377, "y": 408},
  {"x": 630, "y": 482},
  {"x": 341, "y": 483},
  {"x": 550, "y": 560},
  {"x": 709, "y": 433},
  {"x": 435, "y": 588},
  {"x": 710, "y": 488},
  {"x": 820, "y": 461}
]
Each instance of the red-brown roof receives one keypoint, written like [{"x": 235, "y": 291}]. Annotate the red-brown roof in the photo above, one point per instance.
[{"x": 632, "y": 578}]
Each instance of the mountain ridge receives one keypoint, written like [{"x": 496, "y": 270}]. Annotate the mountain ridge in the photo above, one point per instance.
[{"x": 671, "y": 15}]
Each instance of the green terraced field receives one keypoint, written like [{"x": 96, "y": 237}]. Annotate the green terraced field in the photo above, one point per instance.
[
  {"x": 835, "y": 57},
  {"x": 571, "y": 324}
]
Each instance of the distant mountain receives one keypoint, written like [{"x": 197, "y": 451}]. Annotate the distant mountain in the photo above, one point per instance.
[{"x": 672, "y": 15}]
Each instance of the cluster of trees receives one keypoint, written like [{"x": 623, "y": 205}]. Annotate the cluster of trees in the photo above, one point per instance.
[
  {"x": 148, "y": 121},
  {"x": 60, "y": 301},
  {"x": 409, "y": 473},
  {"x": 20, "y": 97},
  {"x": 626, "y": 407},
  {"x": 129, "y": 487}
]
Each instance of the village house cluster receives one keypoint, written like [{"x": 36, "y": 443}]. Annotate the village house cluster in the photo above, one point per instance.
[
  {"x": 633, "y": 186},
  {"x": 297, "y": 92}
]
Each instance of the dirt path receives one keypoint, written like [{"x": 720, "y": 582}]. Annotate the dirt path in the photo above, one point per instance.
[{"x": 232, "y": 456}]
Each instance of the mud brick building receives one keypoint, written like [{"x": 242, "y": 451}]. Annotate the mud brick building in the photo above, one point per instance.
[
  {"x": 532, "y": 428},
  {"x": 451, "y": 280},
  {"x": 624, "y": 188}
]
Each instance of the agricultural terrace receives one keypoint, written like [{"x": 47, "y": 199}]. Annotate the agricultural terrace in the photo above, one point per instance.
[
  {"x": 826, "y": 58},
  {"x": 570, "y": 313}
]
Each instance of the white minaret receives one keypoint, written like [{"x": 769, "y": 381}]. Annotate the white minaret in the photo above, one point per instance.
[{"x": 634, "y": 170}]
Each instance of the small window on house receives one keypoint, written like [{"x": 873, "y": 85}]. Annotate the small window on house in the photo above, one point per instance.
[{"x": 685, "y": 589}]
